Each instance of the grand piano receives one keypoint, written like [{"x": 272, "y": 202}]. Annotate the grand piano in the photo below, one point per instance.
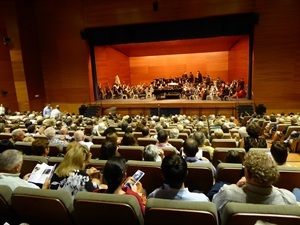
[{"x": 171, "y": 91}]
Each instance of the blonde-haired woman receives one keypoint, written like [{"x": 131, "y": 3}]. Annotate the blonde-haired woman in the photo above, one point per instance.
[{"x": 71, "y": 174}]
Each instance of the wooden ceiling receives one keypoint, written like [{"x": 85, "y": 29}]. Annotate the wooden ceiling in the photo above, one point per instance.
[{"x": 215, "y": 44}]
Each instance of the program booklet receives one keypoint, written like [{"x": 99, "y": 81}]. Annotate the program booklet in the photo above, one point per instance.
[{"x": 40, "y": 172}]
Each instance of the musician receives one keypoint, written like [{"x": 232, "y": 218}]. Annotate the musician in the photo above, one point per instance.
[
  {"x": 199, "y": 77},
  {"x": 191, "y": 77}
]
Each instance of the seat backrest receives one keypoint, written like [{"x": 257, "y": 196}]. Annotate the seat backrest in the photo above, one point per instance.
[
  {"x": 224, "y": 143},
  {"x": 54, "y": 150},
  {"x": 229, "y": 172},
  {"x": 152, "y": 178},
  {"x": 54, "y": 160},
  {"x": 131, "y": 152},
  {"x": 29, "y": 162},
  {"x": 246, "y": 214},
  {"x": 40, "y": 206},
  {"x": 176, "y": 142},
  {"x": 7, "y": 214},
  {"x": 5, "y": 136},
  {"x": 221, "y": 153},
  {"x": 146, "y": 141},
  {"x": 290, "y": 130},
  {"x": 200, "y": 177},
  {"x": 165, "y": 211},
  {"x": 183, "y": 136},
  {"x": 260, "y": 149},
  {"x": 137, "y": 134},
  {"x": 169, "y": 150},
  {"x": 25, "y": 147},
  {"x": 289, "y": 177},
  {"x": 95, "y": 149},
  {"x": 113, "y": 208},
  {"x": 98, "y": 140}
]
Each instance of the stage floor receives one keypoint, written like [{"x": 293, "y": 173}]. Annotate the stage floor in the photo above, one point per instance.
[{"x": 148, "y": 106}]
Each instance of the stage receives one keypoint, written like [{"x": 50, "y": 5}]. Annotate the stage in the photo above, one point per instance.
[{"x": 152, "y": 106}]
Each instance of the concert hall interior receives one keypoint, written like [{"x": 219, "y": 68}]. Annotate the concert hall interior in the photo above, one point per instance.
[{"x": 59, "y": 53}]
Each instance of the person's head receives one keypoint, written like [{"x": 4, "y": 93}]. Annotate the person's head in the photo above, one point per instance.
[
  {"x": 174, "y": 170},
  {"x": 199, "y": 137},
  {"x": 114, "y": 173},
  {"x": 11, "y": 161},
  {"x": 109, "y": 130},
  {"x": 40, "y": 147},
  {"x": 253, "y": 129},
  {"x": 174, "y": 133},
  {"x": 124, "y": 126},
  {"x": 279, "y": 152},
  {"x": 31, "y": 129},
  {"x": 260, "y": 168},
  {"x": 233, "y": 156},
  {"x": 145, "y": 131},
  {"x": 108, "y": 149},
  {"x": 76, "y": 158},
  {"x": 78, "y": 135},
  {"x": 6, "y": 144},
  {"x": 151, "y": 153},
  {"x": 112, "y": 137},
  {"x": 218, "y": 133},
  {"x": 88, "y": 130},
  {"x": 190, "y": 147},
  {"x": 129, "y": 140},
  {"x": 49, "y": 132},
  {"x": 18, "y": 135},
  {"x": 64, "y": 131},
  {"x": 162, "y": 136}
]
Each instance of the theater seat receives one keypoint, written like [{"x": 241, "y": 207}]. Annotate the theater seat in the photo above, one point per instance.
[
  {"x": 248, "y": 214},
  {"x": 40, "y": 206},
  {"x": 108, "y": 209},
  {"x": 6, "y": 212},
  {"x": 164, "y": 211}
]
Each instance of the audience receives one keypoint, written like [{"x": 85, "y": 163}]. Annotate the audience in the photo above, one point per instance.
[{"x": 174, "y": 171}]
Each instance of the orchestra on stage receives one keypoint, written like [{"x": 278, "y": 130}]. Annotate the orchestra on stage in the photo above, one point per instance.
[{"x": 186, "y": 86}]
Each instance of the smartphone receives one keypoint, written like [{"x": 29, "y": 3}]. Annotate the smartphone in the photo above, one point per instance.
[{"x": 135, "y": 178}]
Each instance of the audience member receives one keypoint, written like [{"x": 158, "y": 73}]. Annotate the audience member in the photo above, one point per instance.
[
  {"x": 162, "y": 139},
  {"x": 115, "y": 175},
  {"x": 174, "y": 133},
  {"x": 174, "y": 171},
  {"x": 109, "y": 148},
  {"x": 50, "y": 133},
  {"x": 190, "y": 149},
  {"x": 201, "y": 139},
  {"x": 233, "y": 156},
  {"x": 17, "y": 135},
  {"x": 80, "y": 138},
  {"x": 253, "y": 141},
  {"x": 71, "y": 174},
  {"x": 279, "y": 152},
  {"x": 153, "y": 153},
  {"x": 10, "y": 168},
  {"x": 261, "y": 173},
  {"x": 129, "y": 140},
  {"x": 47, "y": 111},
  {"x": 55, "y": 113},
  {"x": 40, "y": 147}
]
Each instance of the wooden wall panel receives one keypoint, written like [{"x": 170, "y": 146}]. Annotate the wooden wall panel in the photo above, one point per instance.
[
  {"x": 238, "y": 60},
  {"x": 110, "y": 63},
  {"x": 145, "y": 69},
  {"x": 276, "y": 55}
]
